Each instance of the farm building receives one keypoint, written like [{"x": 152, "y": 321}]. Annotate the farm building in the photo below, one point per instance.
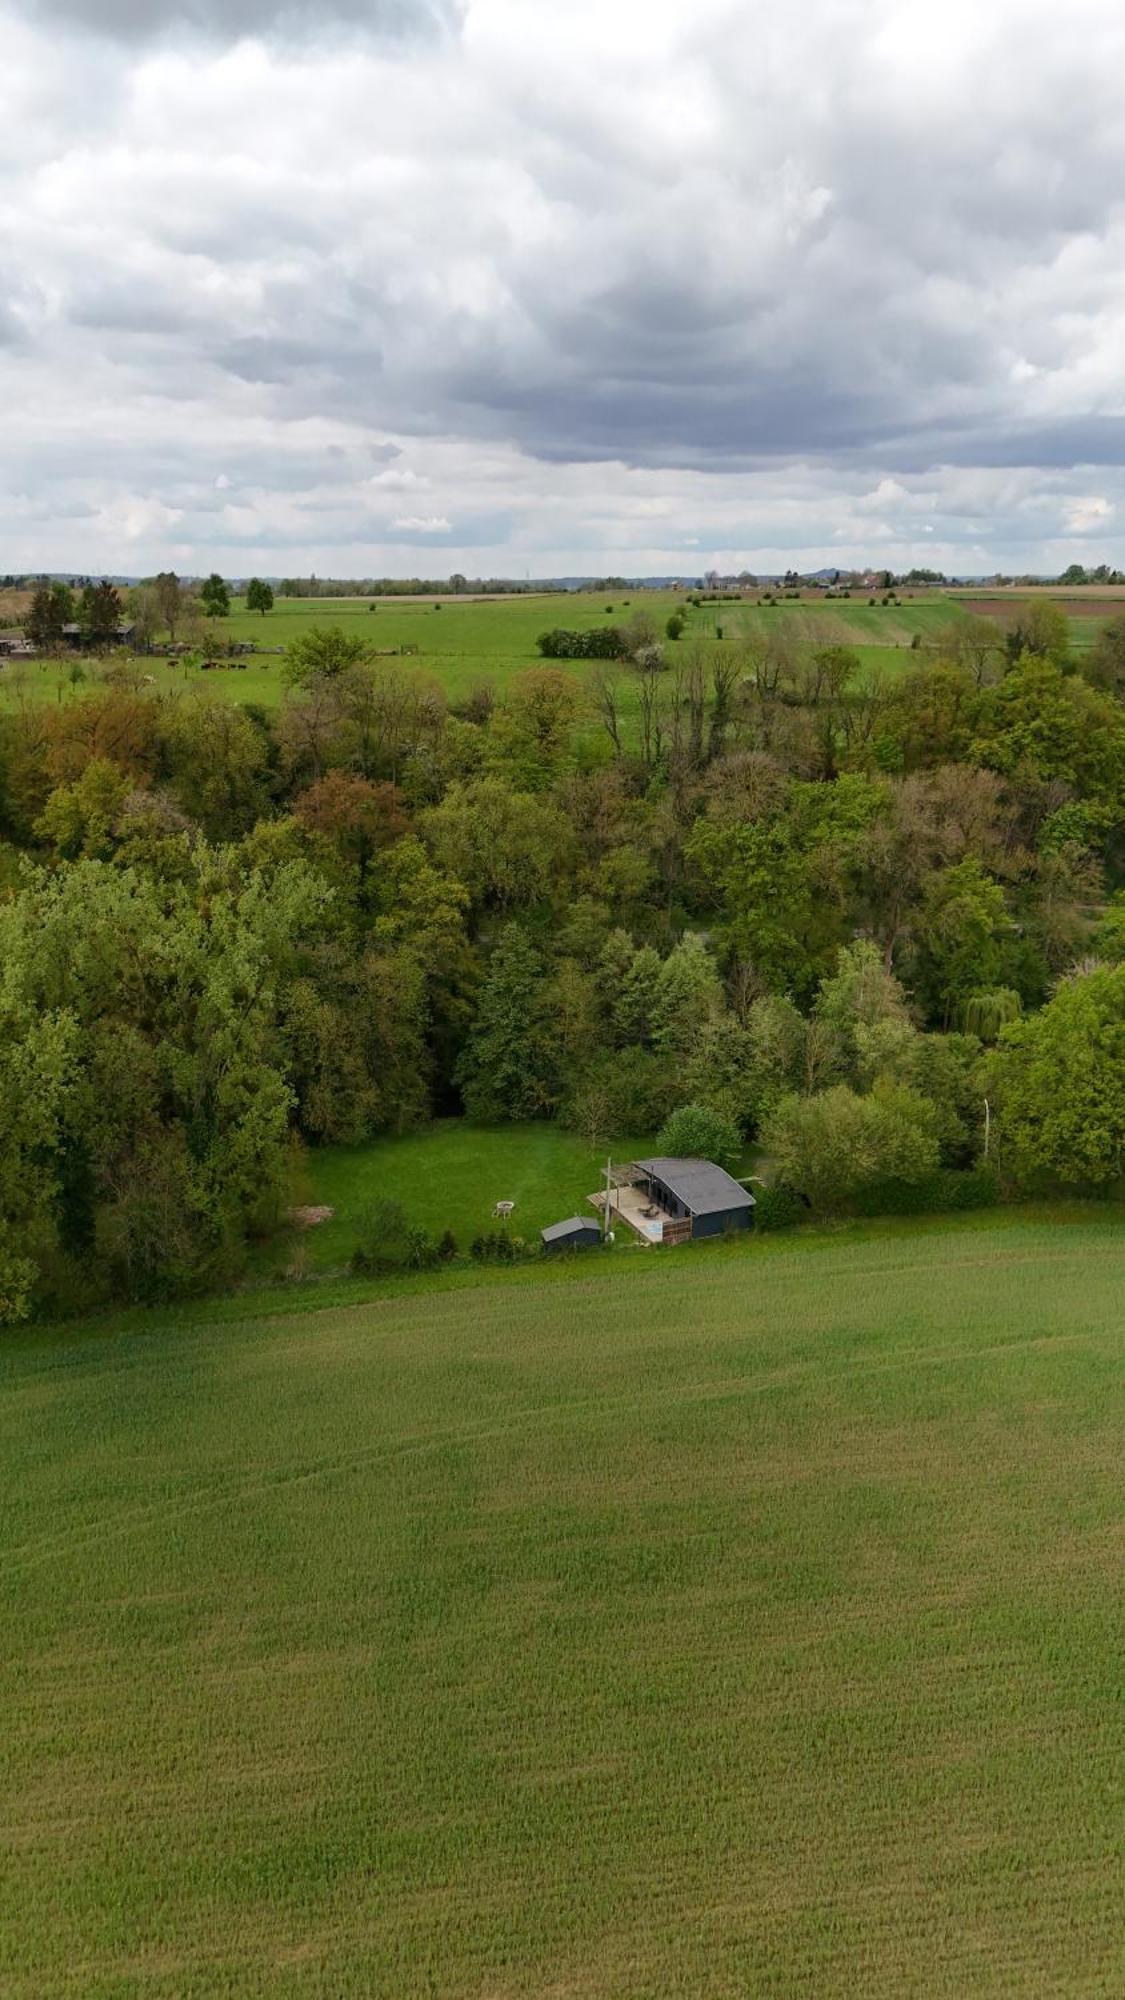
[
  {"x": 14, "y": 646},
  {"x": 80, "y": 641},
  {"x": 578, "y": 1232},
  {"x": 669, "y": 1200}
]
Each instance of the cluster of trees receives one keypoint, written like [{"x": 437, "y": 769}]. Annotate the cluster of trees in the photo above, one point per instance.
[
  {"x": 96, "y": 609},
  {"x": 401, "y": 586},
  {"x": 1077, "y": 573},
  {"x": 599, "y": 642},
  {"x": 163, "y": 605},
  {"x": 876, "y": 926}
]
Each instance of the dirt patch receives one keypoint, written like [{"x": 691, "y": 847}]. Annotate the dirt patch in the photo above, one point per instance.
[
  {"x": 1080, "y": 605},
  {"x": 307, "y": 1218}
]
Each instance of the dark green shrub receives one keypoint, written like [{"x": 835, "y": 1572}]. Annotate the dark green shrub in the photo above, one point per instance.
[
  {"x": 497, "y": 1247},
  {"x": 384, "y": 1242},
  {"x": 447, "y": 1246},
  {"x": 600, "y": 643},
  {"x": 421, "y": 1250},
  {"x": 779, "y": 1207},
  {"x": 946, "y": 1189},
  {"x": 978, "y": 1187}
]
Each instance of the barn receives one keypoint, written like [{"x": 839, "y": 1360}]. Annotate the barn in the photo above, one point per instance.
[
  {"x": 697, "y": 1197},
  {"x": 578, "y": 1232}
]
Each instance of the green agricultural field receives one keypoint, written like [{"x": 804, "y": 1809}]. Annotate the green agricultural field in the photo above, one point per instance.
[
  {"x": 720, "y": 1622},
  {"x": 469, "y": 643}
]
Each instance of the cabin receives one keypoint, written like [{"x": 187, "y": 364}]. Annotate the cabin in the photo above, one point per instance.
[
  {"x": 578, "y": 1232},
  {"x": 15, "y": 646},
  {"x": 79, "y": 640},
  {"x": 673, "y": 1201}
]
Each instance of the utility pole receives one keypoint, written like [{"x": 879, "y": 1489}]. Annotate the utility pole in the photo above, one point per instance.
[
  {"x": 987, "y": 1126},
  {"x": 605, "y": 1206}
]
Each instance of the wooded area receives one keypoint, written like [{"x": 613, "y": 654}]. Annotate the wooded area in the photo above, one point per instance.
[{"x": 879, "y": 926}]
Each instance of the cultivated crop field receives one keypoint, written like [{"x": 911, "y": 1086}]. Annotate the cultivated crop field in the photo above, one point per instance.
[{"x": 729, "y": 1622}]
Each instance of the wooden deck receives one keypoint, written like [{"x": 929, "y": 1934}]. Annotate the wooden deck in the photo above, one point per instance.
[{"x": 629, "y": 1204}]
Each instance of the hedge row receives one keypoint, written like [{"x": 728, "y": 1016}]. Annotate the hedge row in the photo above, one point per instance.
[
  {"x": 946, "y": 1189},
  {"x": 601, "y": 642}
]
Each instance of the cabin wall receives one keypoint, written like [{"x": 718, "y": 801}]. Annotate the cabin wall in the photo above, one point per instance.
[
  {"x": 716, "y": 1225},
  {"x": 586, "y": 1239}
]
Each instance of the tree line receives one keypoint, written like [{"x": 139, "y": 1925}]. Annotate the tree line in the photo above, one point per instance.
[
  {"x": 163, "y": 604},
  {"x": 878, "y": 926}
]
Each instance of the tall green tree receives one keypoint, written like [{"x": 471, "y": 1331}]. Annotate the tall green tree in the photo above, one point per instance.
[
  {"x": 1060, "y": 1079},
  {"x": 44, "y": 622},
  {"x": 104, "y": 616},
  {"x": 831, "y": 1145},
  {"x": 170, "y": 601},
  {"x": 506, "y": 1070},
  {"x": 214, "y": 596}
]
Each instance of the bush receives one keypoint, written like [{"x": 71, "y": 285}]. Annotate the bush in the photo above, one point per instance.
[
  {"x": 779, "y": 1207},
  {"x": 835, "y": 1144},
  {"x": 447, "y": 1246},
  {"x": 695, "y": 1131},
  {"x": 938, "y": 1193},
  {"x": 675, "y": 625},
  {"x": 385, "y": 1241},
  {"x": 497, "y": 1247},
  {"x": 604, "y": 642},
  {"x": 421, "y": 1250}
]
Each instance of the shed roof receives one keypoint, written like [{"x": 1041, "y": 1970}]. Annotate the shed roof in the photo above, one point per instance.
[
  {"x": 704, "y": 1188},
  {"x": 557, "y": 1232}
]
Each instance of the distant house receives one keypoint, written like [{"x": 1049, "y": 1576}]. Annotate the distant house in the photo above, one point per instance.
[
  {"x": 670, "y": 1200},
  {"x": 15, "y": 646},
  {"x": 578, "y": 1232},
  {"x": 80, "y": 641}
]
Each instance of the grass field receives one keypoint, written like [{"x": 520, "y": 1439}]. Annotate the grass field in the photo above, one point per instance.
[
  {"x": 472, "y": 642},
  {"x": 451, "y": 1176},
  {"x": 467, "y": 644},
  {"x": 724, "y": 1623}
]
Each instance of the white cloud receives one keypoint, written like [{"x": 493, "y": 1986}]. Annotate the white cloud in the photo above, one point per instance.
[
  {"x": 598, "y": 285},
  {"x": 1087, "y": 515}
]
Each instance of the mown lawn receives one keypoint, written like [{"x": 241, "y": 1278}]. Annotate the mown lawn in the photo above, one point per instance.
[
  {"x": 451, "y": 1176},
  {"x": 686, "y": 1625}
]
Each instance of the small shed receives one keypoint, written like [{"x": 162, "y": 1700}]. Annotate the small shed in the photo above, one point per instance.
[
  {"x": 698, "y": 1193},
  {"x": 578, "y": 1232}
]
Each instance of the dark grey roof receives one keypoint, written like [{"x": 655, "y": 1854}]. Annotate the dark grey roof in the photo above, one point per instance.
[
  {"x": 556, "y": 1231},
  {"x": 703, "y": 1188}
]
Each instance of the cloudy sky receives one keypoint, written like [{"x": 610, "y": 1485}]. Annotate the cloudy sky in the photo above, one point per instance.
[{"x": 550, "y": 286}]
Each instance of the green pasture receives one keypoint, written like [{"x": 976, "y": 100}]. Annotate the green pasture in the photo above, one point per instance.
[
  {"x": 470, "y": 643},
  {"x": 698, "y": 1624}
]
